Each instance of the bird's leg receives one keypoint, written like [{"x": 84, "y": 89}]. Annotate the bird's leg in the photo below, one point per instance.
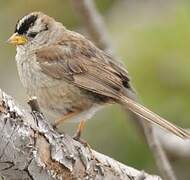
[
  {"x": 79, "y": 130},
  {"x": 62, "y": 119},
  {"x": 77, "y": 135}
]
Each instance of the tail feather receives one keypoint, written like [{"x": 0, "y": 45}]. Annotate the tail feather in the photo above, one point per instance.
[{"x": 154, "y": 118}]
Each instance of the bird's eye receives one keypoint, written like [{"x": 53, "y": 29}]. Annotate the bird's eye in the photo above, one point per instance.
[{"x": 32, "y": 34}]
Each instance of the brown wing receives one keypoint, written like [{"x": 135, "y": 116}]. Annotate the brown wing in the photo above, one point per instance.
[{"x": 78, "y": 61}]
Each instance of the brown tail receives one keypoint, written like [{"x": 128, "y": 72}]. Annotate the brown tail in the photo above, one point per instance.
[{"x": 154, "y": 118}]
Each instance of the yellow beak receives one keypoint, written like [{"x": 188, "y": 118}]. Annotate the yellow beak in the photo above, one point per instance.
[{"x": 17, "y": 39}]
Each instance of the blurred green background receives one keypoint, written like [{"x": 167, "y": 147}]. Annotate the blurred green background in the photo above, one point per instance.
[{"x": 153, "y": 39}]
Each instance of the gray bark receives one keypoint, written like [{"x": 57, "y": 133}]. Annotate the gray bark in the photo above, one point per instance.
[{"x": 31, "y": 150}]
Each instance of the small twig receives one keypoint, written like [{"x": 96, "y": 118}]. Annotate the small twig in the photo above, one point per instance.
[
  {"x": 160, "y": 156},
  {"x": 97, "y": 30},
  {"x": 33, "y": 103}
]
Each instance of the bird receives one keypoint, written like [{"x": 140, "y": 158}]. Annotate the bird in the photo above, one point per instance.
[{"x": 70, "y": 76}]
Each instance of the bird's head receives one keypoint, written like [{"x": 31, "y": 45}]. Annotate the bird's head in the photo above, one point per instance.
[{"x": 34, "y": 29}]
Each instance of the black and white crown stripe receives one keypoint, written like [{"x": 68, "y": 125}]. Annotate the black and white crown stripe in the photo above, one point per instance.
[{"x": 25, "y": 23}]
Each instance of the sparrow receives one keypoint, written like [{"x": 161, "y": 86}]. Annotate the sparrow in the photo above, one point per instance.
[{"x": 70, "y": 76}]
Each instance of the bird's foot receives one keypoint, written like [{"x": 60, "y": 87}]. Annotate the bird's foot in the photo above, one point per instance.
[{"x": 76, "y": 138}]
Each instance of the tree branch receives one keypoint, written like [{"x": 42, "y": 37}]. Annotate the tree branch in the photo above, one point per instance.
[
  {"x": 31, "y": 149},
  {"x": 96, "y": 28},
  {"x": 94, "y": 24},
  {"x": 174, "y": 146}
]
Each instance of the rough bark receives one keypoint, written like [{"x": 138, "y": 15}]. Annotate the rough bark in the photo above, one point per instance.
[{"x": 31, "y": 150}]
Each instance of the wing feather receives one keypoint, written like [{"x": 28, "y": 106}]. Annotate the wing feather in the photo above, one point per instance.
[{"x": 81, "y": 63}]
